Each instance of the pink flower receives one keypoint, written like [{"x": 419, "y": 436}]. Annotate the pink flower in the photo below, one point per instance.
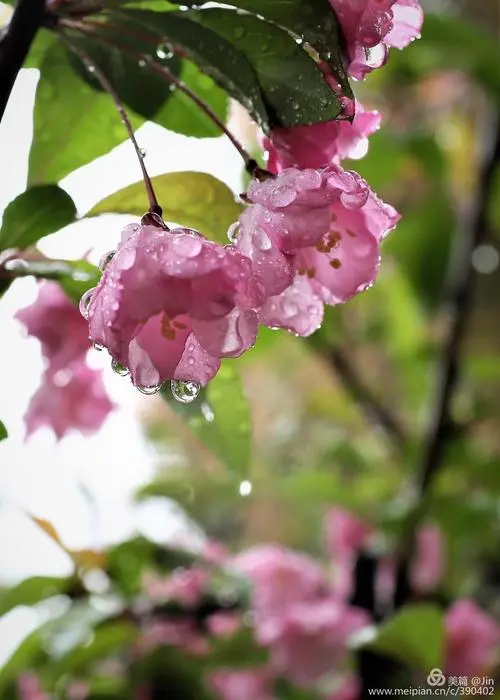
[
  {"x": 78, "y": 690},
  {"x": 346, "y": 535},
  {"x": 230, "y": 684},
  {"x": 181, "y": 633},
  {"x": 310, "y": 639},
  {"x": 371, "y": 26},
  {"x": 29, "y": 687},
  {"x": 321, "y": 144},
  {"x": 471, "y": 638},
  {"x": 280, "y": 577},
  {"x": 170, "y": 304},
  {"x": 184, "y": 585},
  {"x": 223, "y": 624},
  {"x": 71, "y": 398},
  {"x": 57, "y": 324},
  {"x": 428, "y": 564},
  {"x": 349, "y": 689},
  {"x": 327, "y": 225}
]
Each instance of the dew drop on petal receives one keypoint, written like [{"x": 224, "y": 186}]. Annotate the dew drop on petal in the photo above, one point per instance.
[
  {"x": 98, "y": 346},
  {"x": 207, "y": 412},
  {"x": 118, "y": 368},
  {"x": 187, "y": 246},
  {"x": 184, "y": 392},
  {"x": 85, "y": 302},
  {"x": 149, "y": 389},
  {"x": 262, "y": 240},
  {"x": 290, "y": 309},
  {"x": 106, "y": 259}
]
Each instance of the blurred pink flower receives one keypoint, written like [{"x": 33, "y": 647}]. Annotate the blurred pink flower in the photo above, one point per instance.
[
  {"x": 346, "y": 535},
  {"x": 29, "y": 687},
  {"x": 232, "y": 684},
  {"x": 372, "y": 26},
  {"x": 280, "y": 577},
  {"x": 472, "y": 636},
  {"x": 183, "y": 585},
  {"x": 57, "y": 324},
  {"x": 310, "y": 639},
  {"x": 170, "y": 304},
  {"x": 349, "y": 689},
  {"x": 428, "y": 564},
  {"x": 223, "y": 624},
  {"x": 214, "y": 552},
  {"x": 78, "y": 690},
  {"x": 321, "y": 144},
  {"x": 180, "y": 633},
  {"x": 71, "y": 398}
]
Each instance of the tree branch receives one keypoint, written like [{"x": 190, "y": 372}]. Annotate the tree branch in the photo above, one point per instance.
[
  {"x": 461, "y": 286},
  {"x": 376, "y": 412},
  {"x": 26, "y": 21}
]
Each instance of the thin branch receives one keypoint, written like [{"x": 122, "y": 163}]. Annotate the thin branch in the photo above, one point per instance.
[
  {"x": 154, "y": 207},
  {"x": 15, "y": 44},
  {"x": 250, "y": 164},
  {"x": 376, "y": 411},
  {"x": 461, "y": 287}
]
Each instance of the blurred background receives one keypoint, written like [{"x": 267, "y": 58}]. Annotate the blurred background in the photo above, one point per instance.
[{"x": 296, "y": 426}]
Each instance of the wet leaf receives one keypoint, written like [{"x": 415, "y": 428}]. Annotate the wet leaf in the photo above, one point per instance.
[
  {"x": 31, "y": 591},
  {"x": 294, "y": 88},
  {"x": 191, "y": 199},
  {"x": 34, "y": 214}
]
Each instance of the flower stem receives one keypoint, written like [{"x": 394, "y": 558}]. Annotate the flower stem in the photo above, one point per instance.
[
  {"x": 251, "y": 164},
  {"x": 154, "y": 207}
]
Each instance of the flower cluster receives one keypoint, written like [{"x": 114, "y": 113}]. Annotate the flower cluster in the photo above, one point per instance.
[{"x": 72, "y": 395}]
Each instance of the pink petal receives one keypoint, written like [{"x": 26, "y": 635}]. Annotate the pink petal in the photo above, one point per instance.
[
  {"x": 408, "y": 21},
  {"x": 297, "y": 309},
  {"x": 230, "y": 336}
]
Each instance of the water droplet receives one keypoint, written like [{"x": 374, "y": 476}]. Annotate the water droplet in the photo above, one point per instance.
[
  {"x": 106, "y": 259},
  {"x": 142, "y": 63},
  {"x": 207, "y": 412},
  {"x": 184, "y": 392},
  {"x": 245, "y": 488},
  {"x": 91, "y": 68},
  {"x": 164, "y": 52},
  {"x": 233, "y": 232},
  {"x": 262, "y": 240},
  {"x": 289, "y": 309},
  {"x": 148, "y": 390},
  {"x": 120, "y": 369},
  {"x": 98, "y": 346},
  {"x": 85, "y": 302},
  {"x": 142, "y": 153}
]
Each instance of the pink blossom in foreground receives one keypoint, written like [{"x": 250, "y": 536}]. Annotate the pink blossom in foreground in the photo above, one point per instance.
[
  {"x": 279, "y": 576},
  {"x": 327, "y": 225},
  {"x": 372, "y": 26},
  {"x": 309, "y": 640},
  {"x": 57, "y": 324},
  {"x": 71, "y": 398},
  {"x": 186, "y": 586},
  {"x": 471, "y": 639},
  {"x": 180, "y": 633},
  {"x": 321, "y": 144},
  {"x": 223, "y": 624},
  {"x": 170, "y": 304},
  {"x": 232, "y": 684}
]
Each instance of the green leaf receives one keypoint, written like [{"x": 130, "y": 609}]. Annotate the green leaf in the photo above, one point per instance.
[
  {"x": 32, "y": 591},
  {"x": 414, "y": 636},
  {"x": 73, "y": 124},
  {"x": 222, "y": 421},
  {"x": 215, "y": 56},
  {"x": 34, "y": 214},
  {"x": 294, "y": 89},
  {"x": 312, "y": 20},
  {"x": 138, "y": 87},
  {"x": 108, "y": 638},
  {"x": 191, "y": 199},
  {"x": 25, "y": 656},
  {"x": 3, "y": 431}
]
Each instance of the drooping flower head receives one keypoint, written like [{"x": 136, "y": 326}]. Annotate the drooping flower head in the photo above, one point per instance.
[
  {"x": 371, "y": 27},
  {"x": 321, "y": 144},
  {"x": 71, "y": 398},
  {"x": 57, "y": 324},
  {"x": 324, "y": 224},
  {"x": 170, "y": 304}
]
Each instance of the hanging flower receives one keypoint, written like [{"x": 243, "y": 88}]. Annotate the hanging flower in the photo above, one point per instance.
[{"x": 170, "y": 304}]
